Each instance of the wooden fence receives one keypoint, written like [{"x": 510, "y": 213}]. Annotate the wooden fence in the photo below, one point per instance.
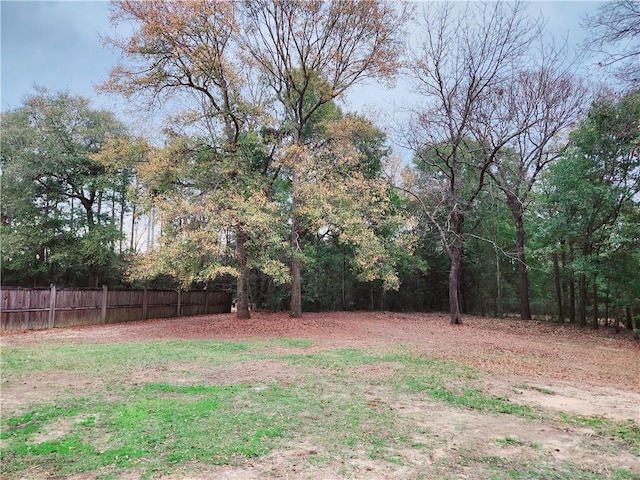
[{"x": 40, "y": 308}]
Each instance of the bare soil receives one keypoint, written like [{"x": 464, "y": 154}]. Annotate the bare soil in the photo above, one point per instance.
[{"x": 555, "y": 367}]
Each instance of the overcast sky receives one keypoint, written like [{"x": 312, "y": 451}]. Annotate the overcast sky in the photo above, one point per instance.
[{"x": 56, "y": 44}]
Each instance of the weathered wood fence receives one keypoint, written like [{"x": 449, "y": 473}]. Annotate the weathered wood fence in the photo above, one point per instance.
[{"x": 40, "y": 308}]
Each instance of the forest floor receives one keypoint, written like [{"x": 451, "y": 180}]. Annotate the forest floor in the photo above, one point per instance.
[{"x": 590, "y": 376}]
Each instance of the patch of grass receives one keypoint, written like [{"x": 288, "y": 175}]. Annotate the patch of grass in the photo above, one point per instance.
[
  {"x": 295, "y": 342},
  {"x": 510, "y": 441},
  {"x": 526, "y": 386},
  {"x": 626, "y": 432},
  {"x": 516, "y": 442},
  {"x": 30, "y": 422},
  {"x": 340, "y": 360},
  {"x": 147, "y": 427},
  {"x": 112, "y": 361},
  {"x": 470, "y": 398},
  {"x": 542, "y": 470},
  {"x": 158, "y": 426},
  {"x": 449, "y": 382}
]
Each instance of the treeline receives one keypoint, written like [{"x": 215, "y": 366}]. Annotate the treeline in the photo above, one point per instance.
[{"x": 522, "y": 194}]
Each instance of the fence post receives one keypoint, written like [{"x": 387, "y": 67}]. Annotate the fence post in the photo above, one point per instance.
[
  {"x": 28, "y": 307},
  {"x": 145, "y": 304},
  {"x": 52, "y": 306},
  {"x": 103, "y": 312},
  {"x": 179, "y": 303}
]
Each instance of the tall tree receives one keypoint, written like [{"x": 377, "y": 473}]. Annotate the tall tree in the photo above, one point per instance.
[
  {"x": 464, "y": 54},
  {"x": 310, "y": 53},
  {"x": 190, "y": 50},
  {"x": 540, "y": 104}
]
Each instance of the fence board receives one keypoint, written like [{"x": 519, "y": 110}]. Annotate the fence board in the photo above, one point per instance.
[
  {"x": 77, "y": 307},
  {"x": 24, "y": 309},
  {"x": 40, "y": 308},
  {"x": 125, "y": 306}
]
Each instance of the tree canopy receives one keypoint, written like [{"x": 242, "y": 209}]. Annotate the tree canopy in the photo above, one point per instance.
[{"x": 61, "y": 204}]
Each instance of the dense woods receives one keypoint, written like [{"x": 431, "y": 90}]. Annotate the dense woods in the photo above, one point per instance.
[{"x": 521, "y": 194}]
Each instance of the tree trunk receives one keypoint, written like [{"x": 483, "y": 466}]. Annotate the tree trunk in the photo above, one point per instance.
[
  {"x": 498, "y": 304},
  {"x": 296, "y": 288},
  {"x": 572, "y": 288},
  {"x": 454, "y": 273},
  {"x": 572, "y": 299},
  {"x": 558, "y": 285},
  {"x": 518, "y": 214},
  {"x": 342, "y": 286},
  {"x": 296, "y": 291},
  {"x": 371, "y": 300},
  {"x": 595, "y": 304},
  {"x": 87, "y": 204},
  {"x": 584, "y": 287},
  {"x": 122, "y": 209},
  {"x": 133, "y": 228},
  {"x": 454, "y": 276},
  {"x": 242, "y": 301},
  {"x": 582, "y": 306},
  {"x": 113, "y": 217}
]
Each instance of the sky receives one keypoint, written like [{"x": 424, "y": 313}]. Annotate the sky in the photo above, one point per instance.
[
  {"x": 53, "y": 44},
  {"x": 57, "y": 44}
]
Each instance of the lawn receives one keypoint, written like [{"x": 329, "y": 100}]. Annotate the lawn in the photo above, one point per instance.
[{"x": 365, "y": 399}]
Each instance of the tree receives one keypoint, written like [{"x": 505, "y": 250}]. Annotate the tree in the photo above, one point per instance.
[
  {"x": 55, "y": 224},
  {"x": 464, "y": 56},
  {"x": 190, "y": 50},
  {"x": 310, "y": 53},
  {"x": 540, "y": 105},
  {"x": 593, "y": 194},
  {"x": 188, "y": 182},
  {"x": 343, "y": 196},
  {"x": 615, "y": 33}
]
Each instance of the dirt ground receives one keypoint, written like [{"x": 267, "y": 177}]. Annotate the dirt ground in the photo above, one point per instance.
[{"x": 590, "y": 373}]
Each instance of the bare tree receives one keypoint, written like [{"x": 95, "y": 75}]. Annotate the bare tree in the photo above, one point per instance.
[
  {"x": 468, "y": 53},
  {"x": 615, "y": 33},
  {"x": 311, "y": 52},
  {"x": 540, "y": 104}
]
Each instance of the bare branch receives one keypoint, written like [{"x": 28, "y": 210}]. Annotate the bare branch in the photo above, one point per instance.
[{"x": 615, "y": 34}]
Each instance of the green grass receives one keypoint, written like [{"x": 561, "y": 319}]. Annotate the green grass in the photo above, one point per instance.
[
  {"x": 295, "y": 342},
  {"x": 113, "y": 360},
  {"x": 627, "y": 432},
  {"x": 154, "y": 426},
  {"x": 157, "y": 426},
  {"x": 516, "y": 442},
  {"x": 150, "y": 426},
  {"x": 540, "y": 469}
]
